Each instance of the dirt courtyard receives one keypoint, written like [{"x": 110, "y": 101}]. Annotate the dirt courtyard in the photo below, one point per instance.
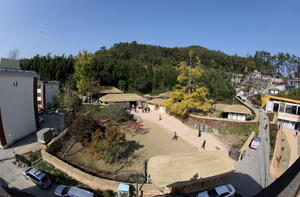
[{"x": 154, "y": 140}]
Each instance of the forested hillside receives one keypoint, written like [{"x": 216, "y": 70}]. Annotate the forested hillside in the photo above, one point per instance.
[{"x": 143, "y": 68}]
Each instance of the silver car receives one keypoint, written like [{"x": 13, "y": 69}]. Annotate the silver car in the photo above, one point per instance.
[
  {"x": 36, "y": 176},
  {"x": 63, "y": 190}
]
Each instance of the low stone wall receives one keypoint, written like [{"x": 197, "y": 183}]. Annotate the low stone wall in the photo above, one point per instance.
[
  {"x": 90, "y": 180},
  {"x": 277, "y": 153},
  {"x": 247, "y": 142},
  {"x": 213, "y": 122}
]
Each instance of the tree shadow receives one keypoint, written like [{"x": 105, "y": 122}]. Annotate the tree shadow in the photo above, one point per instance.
[
  {"x": 141, "y": 131},
  {"x": 130, "y": 156}
]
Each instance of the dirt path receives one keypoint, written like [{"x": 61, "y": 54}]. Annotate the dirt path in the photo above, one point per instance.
[{"x": 185, "y": 133}]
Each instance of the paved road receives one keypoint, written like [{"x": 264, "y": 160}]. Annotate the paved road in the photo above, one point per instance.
[
  {"x": 253, "y": 172},
  {"x": 11, "y": 175}
]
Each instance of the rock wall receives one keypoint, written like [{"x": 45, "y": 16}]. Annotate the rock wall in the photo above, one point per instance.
[{"x": 213, "y": 122}]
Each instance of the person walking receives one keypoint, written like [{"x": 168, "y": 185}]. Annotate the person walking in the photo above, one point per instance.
[
  {"x": 199, "y": 133},
  {"x": 296, "y": 133},
  {"x": 203, "y": 144},
  {"x": 175, "y": 137},
  {"x": 266, "y": 126},
  {"x": 159, "y": 117}
]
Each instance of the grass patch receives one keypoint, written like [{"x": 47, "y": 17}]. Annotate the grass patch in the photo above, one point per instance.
[
  {"x": 285, "y": 154},
  {"x": 240, "y": 130},
  {"x": 33, "y": 156},
  {"x": 62, "y": 178},
  {"x": 235, "y": 136},
  {"x": 55, "y": 175}
]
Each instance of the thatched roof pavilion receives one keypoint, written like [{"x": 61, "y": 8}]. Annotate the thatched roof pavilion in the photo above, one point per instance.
[
  {"x": 156, "y": 101},
  {"x": 186, "y": 169},
  {"x": 117, "y": 98},
  {"x": 238, "y": 109},
  {"x": 109, "y": 90},
  {"x": 166, "y": 94}
]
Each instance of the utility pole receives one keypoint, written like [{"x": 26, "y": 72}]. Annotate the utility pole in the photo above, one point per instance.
[
  {"x": 137, "y": 184},
  {"x": 12, "y": 145}
]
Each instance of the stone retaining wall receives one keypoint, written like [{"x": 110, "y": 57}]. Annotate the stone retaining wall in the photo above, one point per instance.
[{"x": 214, "y": 122}]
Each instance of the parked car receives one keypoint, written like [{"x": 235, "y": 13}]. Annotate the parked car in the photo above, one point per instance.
[
  {"x": 49, "y": 112},
  {"x": 255, "y": 143},
  {"x": 223, "y": 190},
  {"x": 40, "y": 111},
  {"x": 36, "y": 176},
  {"x": 57, "y": 111},
  {"x": 62, "y": 112},
  {"x": 241, "y": 98},
  {"x": 63, "y": 190}
]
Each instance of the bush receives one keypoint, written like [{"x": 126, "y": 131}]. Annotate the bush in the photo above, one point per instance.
[
  {"x": 271, "y": 116},
  {"x": 23, "y": 160},
  {"x": 108, "y": 193},
  {"x": 34, "y": 156}
]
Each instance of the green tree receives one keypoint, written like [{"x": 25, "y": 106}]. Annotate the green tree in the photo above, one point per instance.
[
  {"x": 218, "y": 85},
  {"x": 83, "y": 68}
]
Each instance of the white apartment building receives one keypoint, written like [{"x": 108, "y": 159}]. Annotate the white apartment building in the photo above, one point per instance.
[
  {"x": 46, "y": 90},
  {"x": 18, "y": 105}
]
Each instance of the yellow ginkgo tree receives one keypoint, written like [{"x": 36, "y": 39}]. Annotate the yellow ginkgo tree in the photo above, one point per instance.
[
  {"x": 190, "y": 97},
  {"x": 189, "y": 73},
  {"x": 181, "y": 103}
]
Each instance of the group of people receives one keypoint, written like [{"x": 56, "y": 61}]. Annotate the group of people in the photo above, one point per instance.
[
  {"x": 175, "y": 137},
  {"x": 145, "y": 109}
]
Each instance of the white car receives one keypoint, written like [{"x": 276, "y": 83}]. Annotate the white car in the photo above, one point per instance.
[
  {"x": 63, "y": 190},
  {"x": 220, "y": 191},
  {"x": 255, "y": 143}
]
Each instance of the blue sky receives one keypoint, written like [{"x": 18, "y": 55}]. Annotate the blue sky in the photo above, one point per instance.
[{"x": 68, "y": 26}]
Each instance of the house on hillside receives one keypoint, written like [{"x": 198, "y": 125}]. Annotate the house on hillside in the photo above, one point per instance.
[
  {"x": 274, "y": 91},
  {"x": 237, "y": 112},
  {"x": 292, "y": 84}
]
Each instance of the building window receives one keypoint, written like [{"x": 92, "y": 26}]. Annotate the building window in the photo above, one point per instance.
[
  {"x": 39, "y": 102},
  {"x": 38, "y": 86},
  {"x": 281, "y": 107},
  {"x": 39, "y": 94},
  {"x": 294, "y": 109},
  {"x": 288, "y": 109},
  {"x": 276, "y": 106}
]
